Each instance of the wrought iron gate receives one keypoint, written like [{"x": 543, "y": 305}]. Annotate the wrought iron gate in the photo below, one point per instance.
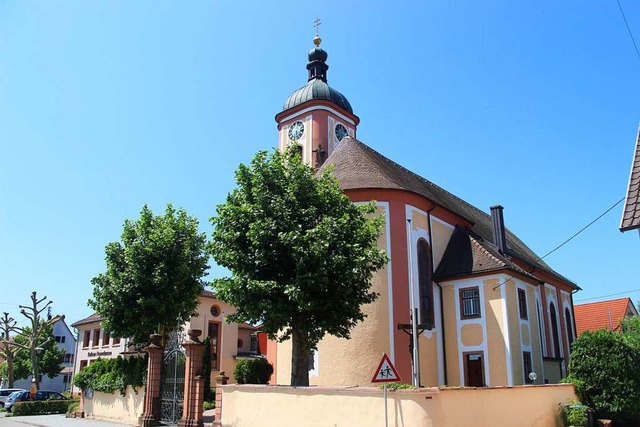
[{"x": 172, "y": 387}]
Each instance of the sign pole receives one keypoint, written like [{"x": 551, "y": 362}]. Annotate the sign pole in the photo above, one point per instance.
[{"x": 386, "y": 416}]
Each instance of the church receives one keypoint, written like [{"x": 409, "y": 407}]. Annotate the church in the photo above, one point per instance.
[{"x": 488, "y": 311}]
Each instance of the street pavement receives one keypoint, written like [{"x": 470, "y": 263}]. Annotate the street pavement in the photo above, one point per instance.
[{"x": 58, "y": 420}]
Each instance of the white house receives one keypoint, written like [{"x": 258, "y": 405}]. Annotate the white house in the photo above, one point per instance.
[{"x": 67, "y": 341}]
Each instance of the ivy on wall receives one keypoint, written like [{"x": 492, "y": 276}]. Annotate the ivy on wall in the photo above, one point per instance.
[{"x": 109, "y": 375}]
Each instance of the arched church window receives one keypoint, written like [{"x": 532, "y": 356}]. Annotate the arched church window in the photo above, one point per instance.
[
  {"x": 554, "y": 331},
  {"x": 425, "y": 283},
  {"x": 567, "y": 319}
]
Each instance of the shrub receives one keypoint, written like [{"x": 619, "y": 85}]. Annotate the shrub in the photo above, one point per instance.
[
  {"x": 109, "y": 375},
  {"x": 605, "y": 369},
  {"x": 253, "y": 371},
  {"x": 398, "y": 386},
  {"x": 73, "y": 407},
  {"x": 208, "y": 405},
  {"x": 574, "y": 414},
  {"x": 41, "y": 407}
]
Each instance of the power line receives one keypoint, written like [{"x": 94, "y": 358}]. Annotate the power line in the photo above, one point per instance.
[
  {"x": 628, "y": 29},
  {"x": 607, "y": 296},
  {"x": 581, "y": 230},
  {"x": 569, "y": 239}
]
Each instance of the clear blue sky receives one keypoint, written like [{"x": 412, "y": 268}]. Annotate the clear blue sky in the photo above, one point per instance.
[{"x": 107, "y": 105}]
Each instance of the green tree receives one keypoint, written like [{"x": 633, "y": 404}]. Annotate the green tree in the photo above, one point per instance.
[
  {"x": 301, "y": 254},
  {"x": 50, "y": 358},
  {"x": 8, "y": 351},
  {"x": 154, "y": 275},
  {"x": 605, "y": 368}
]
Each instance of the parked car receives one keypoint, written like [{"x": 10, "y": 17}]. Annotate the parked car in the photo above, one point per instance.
[
  {"x": 4, "y": 394},
  {"x": 23, "y": 396}
]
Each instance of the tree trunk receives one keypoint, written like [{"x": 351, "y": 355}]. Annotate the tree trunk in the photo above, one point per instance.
[
  {"x": 299, "y": 359},
  {"x": 10, "y": 373},
  {"x": 34, "y": 365}
]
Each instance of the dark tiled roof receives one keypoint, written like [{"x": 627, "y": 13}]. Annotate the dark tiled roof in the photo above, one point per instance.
[
  {"x": 317, "y": 89},
  {"x": 95, "y": 317},
  {"x": 358, "y": 166},
  {"x": 208, "y": 294},
  {"x": 602, "y": 314},
  {"x": 631, "y": 213},
  {"x": 465, "y": 255}
]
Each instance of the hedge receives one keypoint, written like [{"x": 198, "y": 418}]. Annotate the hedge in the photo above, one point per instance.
[
  {"x": 109, "y": 375},
  {"x": 41, "y": 407},
  {"x": 253, "y": 371}
]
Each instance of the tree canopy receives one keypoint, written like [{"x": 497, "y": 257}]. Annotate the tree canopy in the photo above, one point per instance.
[
  {"x": 50, "y": 357},
  {"x": 605, "y": 368},
  {"x": 301, "y": 254},
  {"x": 154, "y": 275}
]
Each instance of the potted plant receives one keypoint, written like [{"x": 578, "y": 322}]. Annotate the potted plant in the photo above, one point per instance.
[{"x": 575, "y": 415}]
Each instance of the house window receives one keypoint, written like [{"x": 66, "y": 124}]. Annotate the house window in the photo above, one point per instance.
[
  {"x": 214, "y": 334},
  {"x": 116, "y": 341},
  {"x": 567, "y": 319},
  {"x": 215, "y": 310},
  {"x": 425, "y": 283},
  {"x": 106, "y": 336},
  {"x": 470, "y": 302},
  {"x": 554, "y": 331},
  {"x": 96, "y": 337},
  {"x": 254, "y": 344},
  {"x": 66, "y": 378},
  {"x": 68, "y": 358},
  {"x": 522, "y": 303},
  {"x": 83, "y": 364},
  {"x": 527, "y": 367},
  {"x": 86, "y": 338},
  {"x": 60, "y": 339}
]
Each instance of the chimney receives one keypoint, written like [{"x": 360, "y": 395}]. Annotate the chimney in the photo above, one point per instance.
[{"x": 497, "y": 219}]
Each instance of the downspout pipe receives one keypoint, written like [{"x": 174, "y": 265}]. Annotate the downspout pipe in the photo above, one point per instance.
[{"x": 444, "y": 342}]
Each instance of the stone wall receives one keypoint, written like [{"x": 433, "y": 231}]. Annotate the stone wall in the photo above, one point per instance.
[
  {"x": 265, "y": 406},
  {"x": 115, "y": 407}
]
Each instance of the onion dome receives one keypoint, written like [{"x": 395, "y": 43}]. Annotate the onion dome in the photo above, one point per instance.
[{"x": 317, "y": 87}]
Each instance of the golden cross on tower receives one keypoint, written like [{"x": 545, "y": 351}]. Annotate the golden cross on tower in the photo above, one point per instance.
[
  {"x": 317, "y": 40},
  {"x": 316, "y": 24}
]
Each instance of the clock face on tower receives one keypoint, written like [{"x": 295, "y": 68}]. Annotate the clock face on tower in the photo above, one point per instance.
[
  {"x": 296, "y": 131},
  {"x": 341, "y": 131}
]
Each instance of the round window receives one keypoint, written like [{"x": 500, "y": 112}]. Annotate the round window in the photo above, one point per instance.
[{"x": 215, "y": 310}]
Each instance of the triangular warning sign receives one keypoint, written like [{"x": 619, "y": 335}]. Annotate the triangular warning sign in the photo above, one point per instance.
[{"x": 386, "y": 372}]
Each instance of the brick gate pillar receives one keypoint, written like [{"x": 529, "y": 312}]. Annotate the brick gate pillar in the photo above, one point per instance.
[
  {"x": 193, "y": 381},
  {"x": 151, "y": 415},
  {"x": 220, "y": 381}
]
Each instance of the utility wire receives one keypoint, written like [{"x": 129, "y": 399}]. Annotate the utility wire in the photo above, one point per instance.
[
  {"x": 568, "y": 240},
  {"x": 610, "y": 295},
  {"x": 628, "y": 29},
  {"x": 581, "y": 230}
]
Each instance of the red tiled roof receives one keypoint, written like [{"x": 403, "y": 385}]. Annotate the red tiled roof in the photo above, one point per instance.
[
  {"x": 603, "y": 314},
  {"x": 631, "y": 213}
]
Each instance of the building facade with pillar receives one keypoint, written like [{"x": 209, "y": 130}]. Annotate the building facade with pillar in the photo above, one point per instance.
[{"x": 488, "y": 311}]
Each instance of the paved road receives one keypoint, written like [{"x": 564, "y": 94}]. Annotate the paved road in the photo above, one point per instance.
[
  {"x": 54, "y": 421},
  {"x": 61, "y": 421}
]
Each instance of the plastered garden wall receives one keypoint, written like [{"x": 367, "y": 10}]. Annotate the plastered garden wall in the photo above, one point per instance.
[
  {"x": 265, "y": 406},
  {"x": 115, "y": 407}
]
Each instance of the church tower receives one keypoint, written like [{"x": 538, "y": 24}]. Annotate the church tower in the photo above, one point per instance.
[{"x": 316, "y": 117}]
